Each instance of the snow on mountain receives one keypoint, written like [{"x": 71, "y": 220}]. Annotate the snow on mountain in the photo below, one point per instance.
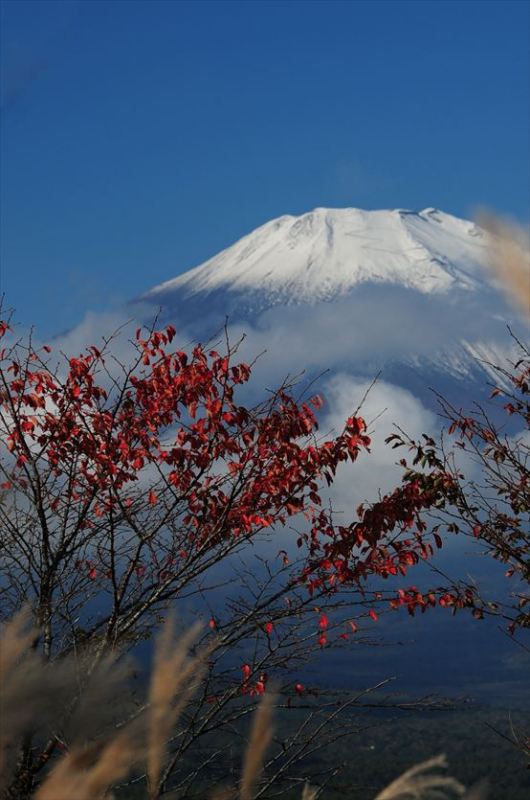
[
  {"x": 403, "y": 291},
  {"x": 325, "y": 253}
]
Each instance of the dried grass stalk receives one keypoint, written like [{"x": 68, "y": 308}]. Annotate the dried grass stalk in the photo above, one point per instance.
[
  {"x": 16, "y": 638},
  {"x": 422, "y": 782},
  {"x": 260, "y": 738},
  {"x": 173, "y": 682}
]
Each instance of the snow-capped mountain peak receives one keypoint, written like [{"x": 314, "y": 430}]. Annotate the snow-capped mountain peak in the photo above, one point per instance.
[
  {"x": 325, "y": 253},
  {"x": 408, "y": 292}
]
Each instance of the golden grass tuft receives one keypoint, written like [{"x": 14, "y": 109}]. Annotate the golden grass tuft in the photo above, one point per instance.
[
  {"x": 509, "y": 258},
  {"x": 86, "y": 774}
]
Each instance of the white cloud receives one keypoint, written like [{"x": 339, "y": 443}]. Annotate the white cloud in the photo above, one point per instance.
[
  {"x": 93, "y": 328},
  {"x": 385, "y": 406}
]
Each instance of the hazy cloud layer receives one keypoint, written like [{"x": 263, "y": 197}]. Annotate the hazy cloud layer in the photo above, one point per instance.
[{"x": 371, "y": 328}]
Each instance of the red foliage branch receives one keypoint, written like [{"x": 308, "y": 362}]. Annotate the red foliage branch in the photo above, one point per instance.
[
  {"x": 173, "y": 427},
  {"x": 494, "y": 508}
]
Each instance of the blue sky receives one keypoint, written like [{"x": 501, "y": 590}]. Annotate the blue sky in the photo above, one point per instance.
[{"x": 139, "y": 138}]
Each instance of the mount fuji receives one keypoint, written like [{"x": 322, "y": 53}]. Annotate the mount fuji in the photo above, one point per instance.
[
  {"x": 326, "y": 253},
  {"x": 401, "y": 291}
]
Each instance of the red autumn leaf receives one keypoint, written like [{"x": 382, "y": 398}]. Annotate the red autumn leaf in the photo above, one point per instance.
[
  {"x": 4, "y": 328},
  {"x": 317, "y": 401}
]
